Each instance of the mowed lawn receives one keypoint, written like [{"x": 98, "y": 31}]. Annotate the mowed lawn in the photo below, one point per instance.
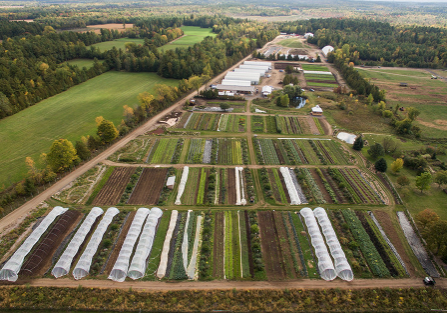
[
  {"x": 70, "y": 115},
  {"x": 426, "y": 94},
  {"x": 118, "y": 43},
  {"x": 192, "y": 35},
  {"x": 292, "y": 43}
]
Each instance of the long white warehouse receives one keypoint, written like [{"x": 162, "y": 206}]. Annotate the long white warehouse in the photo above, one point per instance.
[
  {"x": 255, "y": 67},
  {"x": 251, "y": 70},
  {"x": 254, "y": 78},
  {"x": 269, "y": 64},
  {"x": 233, "y": 82}
]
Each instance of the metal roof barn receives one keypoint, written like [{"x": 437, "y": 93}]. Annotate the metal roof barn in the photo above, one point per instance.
[
  {"x": 242, "y": 89},
  {"x": 254, "y": 78},
  {"x": 258, "y": 63},
  {"x": 256, "y": 67},
  {"x": 233, "y": 82},
  {"x": 250, "y": 70}
]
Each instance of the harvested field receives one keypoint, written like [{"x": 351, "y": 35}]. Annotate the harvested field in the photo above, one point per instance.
[
  {"x": 114, "y": 188},
  {"x": 270, "y": 246},
  {"x": 387, "y": 225},
  {"x": 119, "y": 243},
  {"x": 149, "y": 186},
  {"x": 219, "y": 246},
  {"x": 40, "y": 258}
]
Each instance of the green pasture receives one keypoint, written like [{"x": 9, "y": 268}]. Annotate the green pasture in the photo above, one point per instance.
[
  {"x": 80, "y": 63},
  {"x": 329, "y": 78},
  {"x": 292, "y": 43},
  {"x": 314, "y": 67},
  {"x": 429, "y": 95},
  {"x": 118, "y": 43},
  {"x": 192, "y": 35},
  {"x": 70, "y": 115},
  {"x": 322, "y": 84}
]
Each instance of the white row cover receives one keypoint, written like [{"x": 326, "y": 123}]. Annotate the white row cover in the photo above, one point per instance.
[
  {"x": 191, "y": 271},
  {"x": 186, "y": 240},
  {"x": 161, "y": 272},
  {"x": 293, "y": 193},
  {"x": 119, "y": 271},
  {"x": 240, "y": 193},
  {"x": 181, "y": 187},
  {"x": 12, "y": 268},
  {"x": 325, "y": 265},
  {"x": 342, "y": 267},
  {"x": 62, "y": 266},
  {"x": 139, "y": 262},
  {"x": 82, "y": 268}
]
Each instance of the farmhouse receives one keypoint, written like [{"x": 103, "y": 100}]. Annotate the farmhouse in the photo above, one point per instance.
[
  {"x": 316, "y": 110},
  {"x": 327, "y": 49}
]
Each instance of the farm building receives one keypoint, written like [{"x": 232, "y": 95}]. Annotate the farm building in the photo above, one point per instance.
[
  {"x": 236, "y": 89},
  {"x": 307, "y": 35},
  {"x": 316, "y": 110},
  {"x": 255, "y": 67},
  {"x": 266, "y": 90},
  {"x": 327, "y": 49},
  {"x": 250, "y": 70},
  {"x": 170, "y": 182},
  {"x": 234, "y": 82},
  {"x": 261, "y": 63},
  {"x": 254, "y": 78}
]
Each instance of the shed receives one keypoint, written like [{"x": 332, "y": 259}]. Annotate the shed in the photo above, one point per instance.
[
  {"x": 170, "y": 182},
  {"x": 327, "y": 49},
  {"x": 266, "y": 90},
  {"x": 316, "y": 110}
]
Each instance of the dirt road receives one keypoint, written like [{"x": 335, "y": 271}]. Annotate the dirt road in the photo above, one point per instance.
[
  {"x": 22, "y": 211},
  {"x": 225, "y": 285}
]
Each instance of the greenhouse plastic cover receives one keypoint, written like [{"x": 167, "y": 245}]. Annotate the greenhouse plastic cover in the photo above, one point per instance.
[
  {"x": 161, "y": 272},
  {"x": 85, "y": 261},
  {"x": 119, "y": 271},
  {"x": 325, "y": 265},
  {"x": 342, "y": 267},
  {"x": 62, "y": 266},
  {"x": 139, "y": 262},
  {"x": 14, "y": 264},
  {"x": 181, "y": 187},
  {"x": 293, "y": 193}
]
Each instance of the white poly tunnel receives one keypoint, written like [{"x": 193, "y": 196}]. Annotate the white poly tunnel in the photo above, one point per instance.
[
  {"x": 62, "y": 266},
  {"x": 119, "y": 271},
  {"x": 293, "y": 193},
  {"x": 12, "y": 268},
  {"x": 82, "y": 268},
  {"x": 181, "y": 187},
  {"x": 342, "y": 267},
  {"x": 161, "y": 272},
  {"x": 139, "y": 261},
  {"x": 325, "y": 265}
]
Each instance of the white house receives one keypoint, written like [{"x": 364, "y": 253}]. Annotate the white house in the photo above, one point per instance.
[{"x": 266, "y": 90}]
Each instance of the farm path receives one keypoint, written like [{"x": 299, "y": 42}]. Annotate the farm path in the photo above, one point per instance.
[
  {"x": 228, "y": 285},
  {"x": 21, "y": 212},
  {"x": 253, "y": 166}
]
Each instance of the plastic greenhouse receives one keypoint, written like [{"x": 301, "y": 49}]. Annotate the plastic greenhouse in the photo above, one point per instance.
[
  {"x": 325, "y": 265},
  {"x": 139, "y": 261},
  {"x": 85, "y": 261},
  {"x": 342, "y": 267},
  {"x": 119, "y": 271},
  {"x": 12, "y": 268},
  {"x": 62, "y": 266},
  {"x": 181, "y": 187}
]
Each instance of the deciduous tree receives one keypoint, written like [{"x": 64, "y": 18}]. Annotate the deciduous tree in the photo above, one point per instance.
[
  {"x": 82, "y": 150},
  {"x": 107, "y": 131},
  {"x": 423, "y": 181},
  {"x": 62, "y": 155},
  {"x": 376, "y": 150},
  {"x": 397, "y": 165},
  {"x": 425, "y": 218},
  {"x": 441, "y": 178}
]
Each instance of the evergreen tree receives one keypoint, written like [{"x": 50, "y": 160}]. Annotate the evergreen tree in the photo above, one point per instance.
[
  {"x": 376, "y": 150},
  {"x": 358, "y": 143},
  {"x": 381, "y": 165}
]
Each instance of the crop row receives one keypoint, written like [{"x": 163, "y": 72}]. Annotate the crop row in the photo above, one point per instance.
[
  {"x": 213, "y": 122},
  {"x": 164, "y": 151}
]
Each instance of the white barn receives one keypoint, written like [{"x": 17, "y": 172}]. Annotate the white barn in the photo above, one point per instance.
[
  {"x": 261, "y": 63},
  {"x": 233, "y": 82}
]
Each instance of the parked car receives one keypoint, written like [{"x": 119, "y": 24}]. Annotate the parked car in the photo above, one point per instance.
[
  {"x": 281, "y": 71},
  {"x": 311, "y": 89},
  {"x": 429, "y": 281}
]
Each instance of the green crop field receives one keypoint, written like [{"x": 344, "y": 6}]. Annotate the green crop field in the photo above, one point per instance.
[
  {"x": 118, "y": 43},
  {"x": 314, "y": 67},
  {"x": 193, "y": 35},
  {"x": 70, "y": 115},
  {"x": 426, "y": 94},
  {"x": 292, "y": 43},
  {"x": 88, "y": 63}
]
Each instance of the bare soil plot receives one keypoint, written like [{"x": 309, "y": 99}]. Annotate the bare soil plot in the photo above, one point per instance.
[
  {"x": 149, "y": 186},
  {"x": 271, "y": 251},
  {"x": 114, "y": 188},
  {"x": 387, "y": 225},
  {"x": 320, "y": 184},
  {"x": 219, "y": 246},
  {"x": 40, "y": 258}
]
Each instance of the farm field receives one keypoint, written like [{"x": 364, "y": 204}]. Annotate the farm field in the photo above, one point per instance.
[
  {"x": 245, "y": 245},
  {"x": 292, "y": 43},
  {"x": 114, "y": 187},
  {"x": 192, "y": 35},
  {"x": 164, "y": 151},
  {"x": 69, "y": 115},
  {"x": 149, "y": 186},
  {"x": 134, "y": 151},
  {"x": 288, "y": 125},
  {"x": 80, "y": 63},
  {"x": 223, "y": 151},
  {"x": 117, "y": 43},
  {"x": 426, "y": 94},
  {"x": 213, "y": 122},
  {"x": 215, "y": 186},
  {"x": 299, "y": 151}
]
